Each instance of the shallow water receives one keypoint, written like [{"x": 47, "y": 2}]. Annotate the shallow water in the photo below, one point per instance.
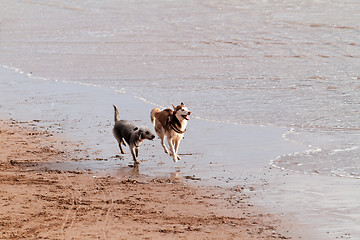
[
  {"x": 84, "y": 114},
  {"x": 288, "y": 65}
]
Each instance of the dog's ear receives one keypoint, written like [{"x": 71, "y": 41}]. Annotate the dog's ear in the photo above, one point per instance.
[
  {"x": 140, "y": 133},
  {"x": 182, "y": 104}
]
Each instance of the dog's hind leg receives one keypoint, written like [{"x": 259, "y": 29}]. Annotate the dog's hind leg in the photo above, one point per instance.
[
  {"x": 120, "y": 146},
  {"x": 162, "y": 139},
  {"x": 164, "y": 146}
]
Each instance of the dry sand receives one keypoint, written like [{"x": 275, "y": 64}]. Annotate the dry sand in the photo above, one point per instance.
[{"x": 79, "y": 205}]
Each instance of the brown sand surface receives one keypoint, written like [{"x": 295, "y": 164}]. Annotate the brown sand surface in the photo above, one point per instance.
[{"x": 80, "y": 205}]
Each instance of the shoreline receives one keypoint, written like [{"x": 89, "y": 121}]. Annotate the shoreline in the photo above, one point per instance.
[
  {"x": 77, "y": 204},
  {"x": 71, "y": 111},
  {"x": 84, "y": 115}
]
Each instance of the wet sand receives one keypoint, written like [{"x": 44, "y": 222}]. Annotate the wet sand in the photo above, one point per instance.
[{"x": 40, "y": 204}]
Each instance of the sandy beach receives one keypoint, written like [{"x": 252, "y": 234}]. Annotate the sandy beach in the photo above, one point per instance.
[{"x": 82, "y": 205}]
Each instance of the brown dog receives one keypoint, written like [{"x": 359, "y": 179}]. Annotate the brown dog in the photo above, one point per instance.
[{"x": 172, "y": 124}]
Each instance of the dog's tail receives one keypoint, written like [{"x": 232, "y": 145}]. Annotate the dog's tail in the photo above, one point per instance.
[
  {"x": 116, "y": 115},
  {"x": 153, "y": 112}
]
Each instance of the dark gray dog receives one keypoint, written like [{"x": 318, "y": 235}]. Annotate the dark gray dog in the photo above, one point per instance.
[{"x": 134, "y": 136}]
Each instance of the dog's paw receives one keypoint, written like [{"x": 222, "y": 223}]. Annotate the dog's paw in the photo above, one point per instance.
[{"x": 175, "y": 158}]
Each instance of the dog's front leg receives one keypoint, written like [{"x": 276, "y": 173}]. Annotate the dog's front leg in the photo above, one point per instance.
[
  {"x": 137, "y": 152},
  {"x": 177, "y": 143},
  {"x": 133, "y": 153},
  {"x": 172, "y": 150}
]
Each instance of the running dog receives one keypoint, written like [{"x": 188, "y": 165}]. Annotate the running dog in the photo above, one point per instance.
[
  {"x": 172, "y": 125},
  {"x": 125, "y": 131}
]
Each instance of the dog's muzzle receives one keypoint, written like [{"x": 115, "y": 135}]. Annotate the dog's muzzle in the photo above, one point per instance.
[{"x": 187, "y": 117}]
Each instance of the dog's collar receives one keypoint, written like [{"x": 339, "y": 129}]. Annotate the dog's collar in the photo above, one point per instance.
[
  {"x": 176, "y": 129},
  {"x": 173, "y": 122},
  {"x": 140, "y": 142}
]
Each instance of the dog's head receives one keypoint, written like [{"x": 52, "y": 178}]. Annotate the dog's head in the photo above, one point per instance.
[
  {"x": 182, "y": 112},
  {"x": 144, "y": 133}
]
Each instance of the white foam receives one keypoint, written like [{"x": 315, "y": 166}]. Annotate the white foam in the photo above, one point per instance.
[
  {"x": 18, "y": 70},
  {"x": 274, "y": 162},
  {"x": 344, "y": 149},
  {"x": 148, "y": 102}
]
